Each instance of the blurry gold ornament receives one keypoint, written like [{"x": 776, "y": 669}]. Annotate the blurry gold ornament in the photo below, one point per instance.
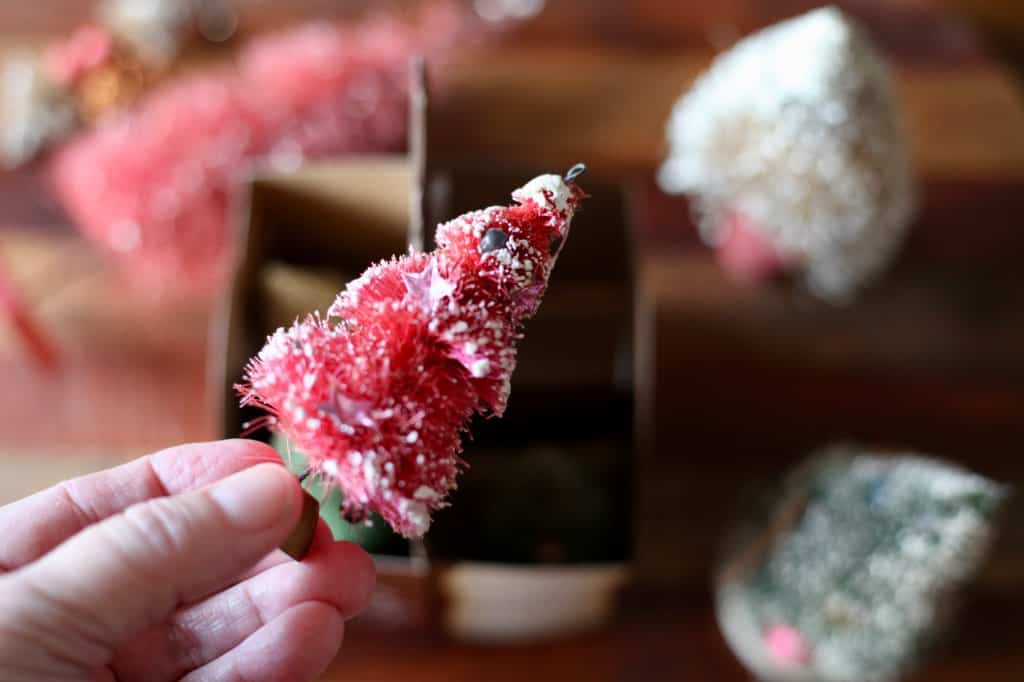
[{"x": 115, "y": 85}]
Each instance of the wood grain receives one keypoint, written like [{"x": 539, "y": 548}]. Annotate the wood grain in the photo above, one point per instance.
[{"x": 660, "y": 637}]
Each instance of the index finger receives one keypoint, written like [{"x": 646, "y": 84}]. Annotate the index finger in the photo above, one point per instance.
[{"x": 35, "y": 525}]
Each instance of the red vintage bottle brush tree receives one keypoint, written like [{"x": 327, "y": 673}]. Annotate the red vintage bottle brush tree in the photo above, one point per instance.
[{"x": 377, "y": 393}]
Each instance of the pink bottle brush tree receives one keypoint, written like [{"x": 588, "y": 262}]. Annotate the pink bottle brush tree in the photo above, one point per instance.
[
  {"x": 377, "y": 394},
  {"x": 154, "y": 185}
]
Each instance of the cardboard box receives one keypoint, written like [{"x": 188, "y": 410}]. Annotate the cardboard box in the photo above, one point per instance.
[{"x": 568, "y": 435}]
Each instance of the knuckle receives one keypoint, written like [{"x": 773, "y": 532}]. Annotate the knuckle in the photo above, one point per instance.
[
  {"x": 189, "y": 650},
  {"x": 158, "y": 524},
  {"x": 165, "y": 526},
  {"x": 47, "y": 623},
  {"x": 78, "y": 504}
]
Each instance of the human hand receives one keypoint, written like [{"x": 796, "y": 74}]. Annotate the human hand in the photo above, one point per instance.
[{"x": 166, "y": 568}]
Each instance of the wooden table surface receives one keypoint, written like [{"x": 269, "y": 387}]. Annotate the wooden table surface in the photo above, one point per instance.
[
  {"x": 660, "y": 637},
  {"x": 592, "y": 81}
]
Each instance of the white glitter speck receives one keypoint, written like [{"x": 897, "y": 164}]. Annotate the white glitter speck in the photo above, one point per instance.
[
  {"x": 418, "y": 516},
  {"x": 545, "y": 190},
  {"x": 480, "y": 368},
  {"x": 425, "y": 493}
]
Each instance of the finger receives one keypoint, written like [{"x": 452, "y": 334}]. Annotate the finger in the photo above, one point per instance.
[
  {"x": 323, "y": 541},
  {"x": 37, "y": 524},
  {"x": 133, "y": 570},
  {"x": 341, "y": 577},
  {"x": 297, "y": 646}
]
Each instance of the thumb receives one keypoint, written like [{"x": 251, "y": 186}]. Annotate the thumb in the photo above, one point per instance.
[{"x": 121, "y": 575}]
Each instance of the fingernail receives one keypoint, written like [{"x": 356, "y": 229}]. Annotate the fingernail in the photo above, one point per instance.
[{"x": 258, "y": 498}]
